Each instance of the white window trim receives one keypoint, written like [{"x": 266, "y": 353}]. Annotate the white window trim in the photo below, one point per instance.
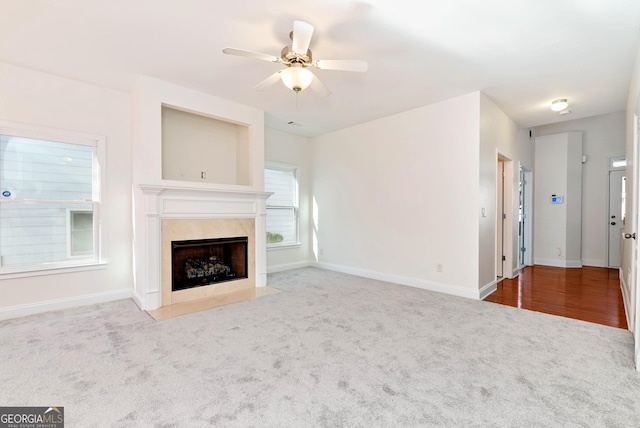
[
  {"x": 94, "y": 140},
  {"x": 287, "y": 167}
]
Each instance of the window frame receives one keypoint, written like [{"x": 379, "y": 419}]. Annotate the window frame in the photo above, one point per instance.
[
  {"x": 276, "y": 166},
  {"x": 97, "y": 142}
]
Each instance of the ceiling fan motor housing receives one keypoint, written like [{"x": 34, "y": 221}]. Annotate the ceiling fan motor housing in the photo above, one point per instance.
[{"x": 290, "y": 57}]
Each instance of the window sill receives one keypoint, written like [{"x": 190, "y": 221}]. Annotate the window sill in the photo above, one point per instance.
[
  {"x": 284, "y": 247},
  {"x": 29, "y": 271}
]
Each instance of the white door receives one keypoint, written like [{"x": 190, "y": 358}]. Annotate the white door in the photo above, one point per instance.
[
  {"x": 616, "y": 216},
  {"x": 500, "y": 222},
  {"x": 634, "y": 319}
]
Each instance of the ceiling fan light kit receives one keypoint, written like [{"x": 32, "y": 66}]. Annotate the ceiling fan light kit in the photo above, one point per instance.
[
  {"x": 296, "y": 78},
  {"x": 297, "y": 57}
]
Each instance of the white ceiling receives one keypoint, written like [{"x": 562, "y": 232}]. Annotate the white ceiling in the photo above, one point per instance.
[{"x": 521, "y": 53}]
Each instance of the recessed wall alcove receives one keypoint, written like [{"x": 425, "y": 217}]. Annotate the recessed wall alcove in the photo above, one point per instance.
[{"x": 199, "y": 148}]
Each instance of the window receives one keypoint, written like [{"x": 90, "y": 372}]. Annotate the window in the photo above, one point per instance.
[
  {"x": 49, "y": 199},
  {"x": 80, "y": 233},
  {"x": 282, "y": 206}
]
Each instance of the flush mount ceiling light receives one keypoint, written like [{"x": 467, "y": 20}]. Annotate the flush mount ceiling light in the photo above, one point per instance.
[{"x": 559, "y": 105}]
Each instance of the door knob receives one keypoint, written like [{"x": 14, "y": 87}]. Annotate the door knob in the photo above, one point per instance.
[
  {"x": 630, "y": 235},
  {"x": 613, "y": 223}
]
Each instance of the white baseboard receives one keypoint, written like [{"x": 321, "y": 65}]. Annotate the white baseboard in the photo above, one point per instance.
[
  {"x": 594, "y": 262},
  {"x": 559, "y": 263},
  {"x": 625, "y": 300},
  {"x": 412, "y": 282},
  {"x": 66, "y": 303},
  {"x": 515, "y": 272},
  {"x": 137, "y": 299},
  {"x": 288, "y": 266},
  {"x": 488, "y": 289}
]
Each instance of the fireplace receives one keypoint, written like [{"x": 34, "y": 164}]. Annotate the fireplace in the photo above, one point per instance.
[
  {"x": 171, "y": 214},
  {"x": 201, "y": 262}
]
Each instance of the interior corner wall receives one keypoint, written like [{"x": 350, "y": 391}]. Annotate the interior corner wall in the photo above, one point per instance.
[
  {"x": 558, "y": 226},
  {"x": 498, "y": 135},
  {"x": 41, "y": 99},
  {"x": 603, "y": 137},
  {"x": 285, "y": 148},
  {"x": 397, "y": 198}
]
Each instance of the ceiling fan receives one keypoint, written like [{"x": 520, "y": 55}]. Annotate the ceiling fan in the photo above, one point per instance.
[{"x": 297, "y": 58}]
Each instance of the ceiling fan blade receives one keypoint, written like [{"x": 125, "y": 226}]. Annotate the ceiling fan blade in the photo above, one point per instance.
[
  {"x": 302, "y": 32},
  {"x": 319, "y": 88},
  {"x": 341, "y": 65},
  {"x": 268, "y": 81},
  {"x": 250, "y": 54}
]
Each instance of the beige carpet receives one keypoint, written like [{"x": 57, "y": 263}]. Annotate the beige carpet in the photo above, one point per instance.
[{"x": 330, "y": 350}]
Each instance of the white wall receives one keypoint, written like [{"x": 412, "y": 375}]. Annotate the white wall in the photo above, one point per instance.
[
  {"x": 558, "y": 172},
  {"x": 290, "y": 149},
  {"x": 602, "y": 137},
  {"x": 396, "y": 197},
  {"x": 41, "y": 99}
]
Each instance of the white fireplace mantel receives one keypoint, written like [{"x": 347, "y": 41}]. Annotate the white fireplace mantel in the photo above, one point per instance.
[{"x": 174, "y": 202}]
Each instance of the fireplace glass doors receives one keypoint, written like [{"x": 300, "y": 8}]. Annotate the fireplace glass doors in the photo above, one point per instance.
[{"x": 195, "y": 263}]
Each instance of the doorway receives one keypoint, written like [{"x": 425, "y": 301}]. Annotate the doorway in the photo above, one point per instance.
[
  {"x": 525, "y": 219},
  {"x": 505, "y": 226}
]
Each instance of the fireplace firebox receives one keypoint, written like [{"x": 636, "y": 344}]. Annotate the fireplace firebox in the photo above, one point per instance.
[{"x": 195, "y": 263}]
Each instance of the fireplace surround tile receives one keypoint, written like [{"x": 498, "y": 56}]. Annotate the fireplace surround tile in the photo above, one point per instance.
[{"x": 192, "y": 229}]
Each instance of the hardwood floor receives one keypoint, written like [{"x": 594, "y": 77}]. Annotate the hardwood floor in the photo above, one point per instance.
[{"x": 590, "y": 293}]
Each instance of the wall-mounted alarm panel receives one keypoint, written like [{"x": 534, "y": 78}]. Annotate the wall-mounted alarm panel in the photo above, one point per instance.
[{"x": 557, "y": 199}]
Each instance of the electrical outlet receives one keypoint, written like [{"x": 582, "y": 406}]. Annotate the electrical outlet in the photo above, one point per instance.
[
  {"x": 439, "y": 267},
  {"x": 558, "y": 252},
  {"x": 321, "y": 252}
]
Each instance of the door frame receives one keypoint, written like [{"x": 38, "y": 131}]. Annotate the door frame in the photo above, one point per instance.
[
  {"x": 510, "y": 269},
  {"x": 633, "y": 319},
  {"x": 500, "y": 218}
]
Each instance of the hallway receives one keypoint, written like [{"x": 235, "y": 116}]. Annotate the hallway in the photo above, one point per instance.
[{"x": 588, "y": 293}]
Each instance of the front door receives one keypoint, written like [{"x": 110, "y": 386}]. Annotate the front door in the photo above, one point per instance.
[{"x": 617, "y": 186}]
